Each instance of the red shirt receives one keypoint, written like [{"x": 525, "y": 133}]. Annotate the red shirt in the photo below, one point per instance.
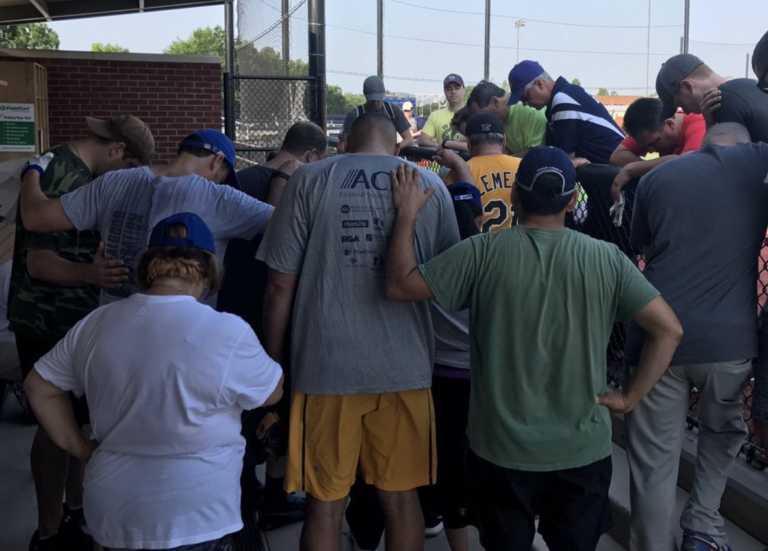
[{"x": 694, "y": 128}]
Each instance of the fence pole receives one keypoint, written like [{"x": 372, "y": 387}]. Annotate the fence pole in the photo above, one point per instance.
[
  {"x": 229, "y": 69},
  {"x": 286, "y": 28},
  {"x": 746, "y": 67},
  {"x": 316, "y": 10},
  {"x": 687, "y": 28},
  {"x": 487, "y": 59},
  {"x": 380, "y": 38}
]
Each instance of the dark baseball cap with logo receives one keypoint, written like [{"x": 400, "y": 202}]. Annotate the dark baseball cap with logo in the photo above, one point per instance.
[
  {"x": 453, "y": 78},
  {"x": 373, "y": 89},
  {"x": 130, "y": 130},
  {"x": 521, "y": 76},
  {"x": 484, "y": 123},
  {"x": 672, "y": 72},
  {"x": 760, "y": 62},
  {"x": 198, "y": 234},
  {"x": 546, "y": 180}
]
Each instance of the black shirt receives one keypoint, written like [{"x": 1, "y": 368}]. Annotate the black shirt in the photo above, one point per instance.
[
  {"x": 245, "y": 278},
  {"x": 744, "y": 102}
]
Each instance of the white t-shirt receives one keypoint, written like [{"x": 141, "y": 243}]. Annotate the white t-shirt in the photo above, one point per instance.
[
  {"x": 124, "y": 205},
  {"x": 166, "y": 379}
]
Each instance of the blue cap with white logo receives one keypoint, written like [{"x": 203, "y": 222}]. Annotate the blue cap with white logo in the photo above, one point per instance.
[
  {"x": 546, "y": 195},
  {"x": 198, "y": 234},
  {"x": 521, "y": 76},
  {"x": 217, "y": 143}
]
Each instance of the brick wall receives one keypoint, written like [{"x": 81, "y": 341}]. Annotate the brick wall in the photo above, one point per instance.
[{"x": 173, "y": 97}]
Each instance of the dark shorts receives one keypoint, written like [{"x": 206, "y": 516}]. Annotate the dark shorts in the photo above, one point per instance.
[
  {"x": 572, "y": 505},
  {"x": 33, "y": 347},
  {"x": 448, "y": 497},
  {"x": 222, "y": 544}
]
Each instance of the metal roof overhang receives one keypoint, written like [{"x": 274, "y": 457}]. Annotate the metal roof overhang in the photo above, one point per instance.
[{"x": 30, "y": 11}]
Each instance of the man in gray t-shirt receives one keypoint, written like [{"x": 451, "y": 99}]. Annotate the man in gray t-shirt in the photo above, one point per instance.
[
  {"x": 701, "y": 221},
  {"x": 360, "y": 364}
]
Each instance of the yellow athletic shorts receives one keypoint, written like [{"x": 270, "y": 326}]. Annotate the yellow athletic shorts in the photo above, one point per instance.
[{"x": 388, "y": 438}]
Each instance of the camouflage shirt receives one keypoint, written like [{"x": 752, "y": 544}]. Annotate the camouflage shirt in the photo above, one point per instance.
[{"x": 40, "y": 308}]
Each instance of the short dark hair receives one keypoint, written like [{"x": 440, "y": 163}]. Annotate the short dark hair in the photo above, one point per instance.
[
  {"x": 486, "y": 139},
  {"x": 536, "y": 203},
  {"x": 484, "y": 92},
  {"x": 304, "y": 136},
  {"x": 459, "y": 120},
  {"x": 643, "y": 115}
]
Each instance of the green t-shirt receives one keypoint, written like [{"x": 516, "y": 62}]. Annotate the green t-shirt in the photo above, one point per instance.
[
  {"x": 438, "y": 126},
  {"x": 525, "y": 128},
  {"x": 543, "y": 304},
  {"x": 36, "y": 307}
]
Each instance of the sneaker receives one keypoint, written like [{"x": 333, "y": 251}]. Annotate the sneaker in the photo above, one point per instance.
[
  {"x": 433, "y": 525},
  {"x": 697, "y": 541},
  {"x": 288, "y": 510},
  {"x": 47, "y": 544},
  {"x": 72, "y": 531}
]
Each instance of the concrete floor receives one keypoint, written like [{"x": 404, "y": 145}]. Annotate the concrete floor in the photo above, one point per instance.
[{"x": 17, "y": 503}]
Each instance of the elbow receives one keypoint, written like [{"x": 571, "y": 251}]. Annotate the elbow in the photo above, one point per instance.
[
  {"x": 393, "y": 291},
  {"x": 277, "y": 394},
  {"x": 31, "y": 222},
  {"x": 676, "y": 332}
]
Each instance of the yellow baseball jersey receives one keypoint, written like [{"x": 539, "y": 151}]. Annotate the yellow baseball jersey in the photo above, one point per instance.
[{"x": 494, "y": 176}]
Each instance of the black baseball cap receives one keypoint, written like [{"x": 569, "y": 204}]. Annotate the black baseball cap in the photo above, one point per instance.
[
  {"x": 453, "y": 78},
  {"x": 668, "y": 80},
  {"x": 760, "y": 62},
  {"x": 373, "y": 88},
  {"x": 484, "y": 123},
  {"x": 550, "y": 195}
]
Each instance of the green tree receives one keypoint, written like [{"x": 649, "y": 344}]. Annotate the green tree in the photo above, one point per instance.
[
  {"x": 31, "y": 36},
  {"x": 576, "y": 82},
  {"x": 108, "y": 48},
  {"x": 602, "y": 91},
  {"x": 202, "y": 41}
]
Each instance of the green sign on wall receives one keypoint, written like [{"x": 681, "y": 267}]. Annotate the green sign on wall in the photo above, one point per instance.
[{"x": 17, "y": 127}]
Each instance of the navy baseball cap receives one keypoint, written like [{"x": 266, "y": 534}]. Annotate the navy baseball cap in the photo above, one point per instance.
[
  {"x": 466, "y": 192},
  {"x": 760, "y": 61},
  {"x": 453, "y": 78},
  {"x": 484, "y": 123},
  {"x": 674, "y": 70},
  {"x": 550, "y": 195},
  {"x": 521, "y": 76},
  {"x": 215, "y": 142},
  {"x": 199, "y": 236}
]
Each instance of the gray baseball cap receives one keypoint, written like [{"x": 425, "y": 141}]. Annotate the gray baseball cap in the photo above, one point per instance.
[
  {"x": 670, "y": 75},
  {"x": 760, "y": 61},
  {"x": 373, "y": 89}
]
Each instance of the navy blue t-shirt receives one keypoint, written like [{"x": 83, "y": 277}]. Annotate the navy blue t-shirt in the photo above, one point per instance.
[{"x": 580, "y": 125}]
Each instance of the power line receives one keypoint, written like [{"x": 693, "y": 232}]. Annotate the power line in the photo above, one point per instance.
[
  {"x": 543, "y": 21},
  {"x": 750, "y": 44}
]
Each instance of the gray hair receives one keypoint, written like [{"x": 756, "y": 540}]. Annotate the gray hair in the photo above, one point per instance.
[{"x": 727, "y": 133}]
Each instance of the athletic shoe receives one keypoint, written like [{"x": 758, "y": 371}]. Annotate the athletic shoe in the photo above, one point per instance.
[
  {"x": 433, "y": 525},
  {"x": 72, "y": 531},
  {"x": 696, "y": 541},
  {"x": 48, "y": 544}
]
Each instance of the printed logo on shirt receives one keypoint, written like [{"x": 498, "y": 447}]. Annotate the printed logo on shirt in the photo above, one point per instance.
[
  {"x": 347, "y": 224},
  {"x": 379, "y": 181}
]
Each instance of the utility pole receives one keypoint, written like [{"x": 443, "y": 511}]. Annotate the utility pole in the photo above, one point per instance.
[
  {"x": 229, "y": 69},
  {"x": 380, "y": 38},
  {"x": 286, "y": 35},
  {"x": 687, "y": 28},
  {"x": 316, "y": 12},
  {"x": 648, "y": 50},
  {"x": 519, "y": 24},
  {"x": 747, "y": 67},
  {"x": 487, "y": 59}
]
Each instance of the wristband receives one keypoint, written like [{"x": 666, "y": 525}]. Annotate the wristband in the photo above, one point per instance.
[{"x": 28, "y": 166}]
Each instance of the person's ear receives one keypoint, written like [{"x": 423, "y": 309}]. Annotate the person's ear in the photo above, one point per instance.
[
  {"x": 573, "y": 202},
  {"x": 116, "y": 150}
]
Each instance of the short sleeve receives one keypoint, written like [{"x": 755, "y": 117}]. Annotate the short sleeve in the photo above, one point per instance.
[
  {"x": 632, "y": 146},
  {"x": 59, "y": 367},
  {"x": 401, "y": 123},
  {"x": 285, "y": 241},
  {"x": 640, "y": 232},
  {"x": 451, "y": 275},
  {"x": 252, "y": 376},
  {"x": 694, "y": 130},
  {"x": 431, "y": 127},
  {"x": 84, "y": 205},
  {"x": 237, "y": 214},
  {"x": 634, "y": 290}
]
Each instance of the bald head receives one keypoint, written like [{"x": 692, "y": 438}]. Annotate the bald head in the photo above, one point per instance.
[
  {"x": 727, "y": 133},
  {"x": 372, "y": 132}
]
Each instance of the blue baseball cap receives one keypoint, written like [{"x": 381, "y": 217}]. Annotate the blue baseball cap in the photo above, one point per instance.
[
  {"x": 550, "y": 195},
  {"x": 521, "y": 76},
  {"x": 199, "y": 235},
  {"x": 466, "y": 192},
  {"x": 216, "y": 142}
]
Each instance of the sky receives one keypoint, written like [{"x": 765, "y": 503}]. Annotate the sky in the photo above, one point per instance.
[{"x": 603, "y": 43}]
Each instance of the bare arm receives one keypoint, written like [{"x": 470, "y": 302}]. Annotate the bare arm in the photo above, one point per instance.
[
  {"x": 622, "y": 156},
  {"x": 46, "y": 265},
  {"x": 663, "y": 334},
  {"x": 278, "y": 304},
  {"x": 426, "y": 140},
  {"x": 38, "y": 212},
  {"x": 277, "y": 394},
  {"x": 458, "y": 166},
  {"x": 404, "y": 282},
  {"x": 408, "y": 139},
  {"x": 53, "y": 408},
  {"x": 634, "y": 170}
]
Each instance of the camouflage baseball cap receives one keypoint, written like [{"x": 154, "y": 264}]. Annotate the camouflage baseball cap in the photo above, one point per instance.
[{"x": 130, "y": 130}]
